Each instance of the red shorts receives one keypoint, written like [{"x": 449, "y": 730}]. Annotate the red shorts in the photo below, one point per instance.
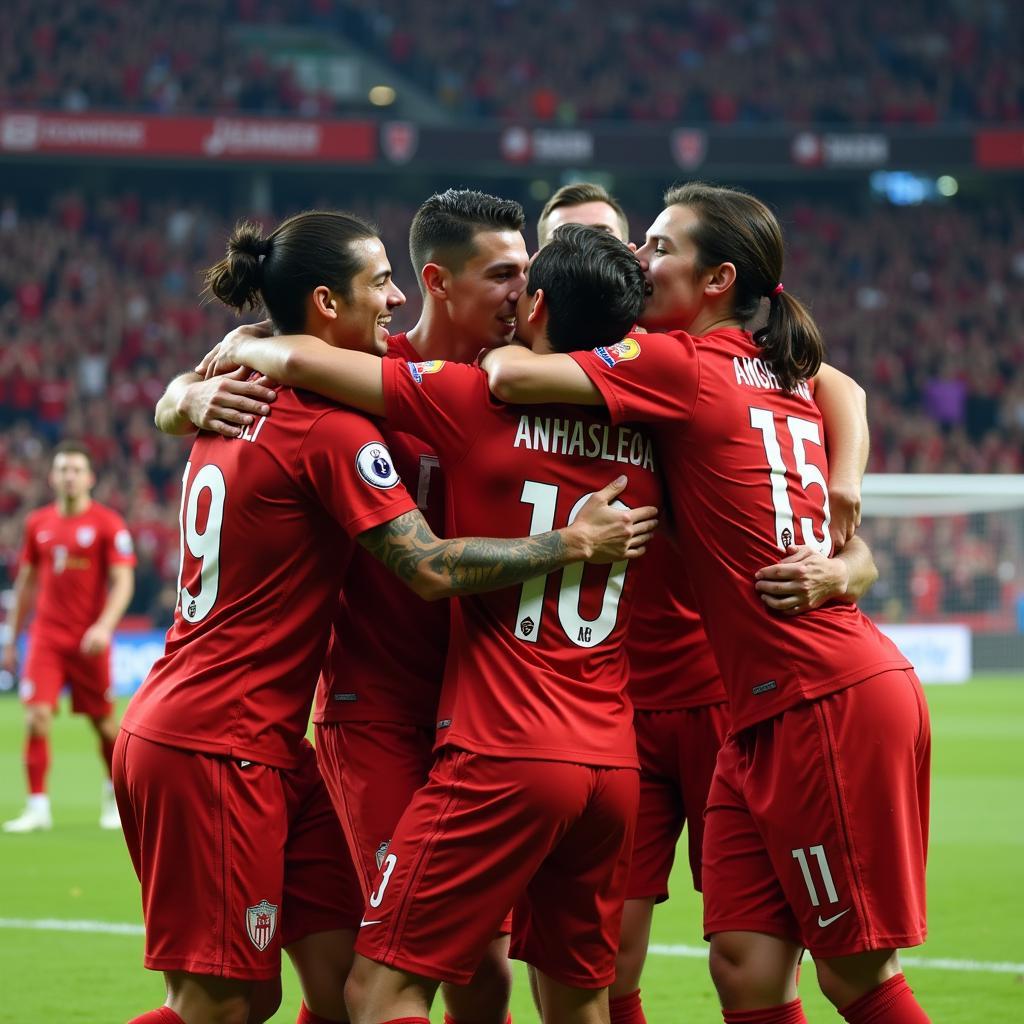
[
  {"x": 677, "y": 752},
  {"x": 236, "y": 859},
  {"x": 549, "y": 838},
  {"x": 817, "y": 822},
  {"x": 47, "y": 669},
  {"x": 372, "y": 770}
]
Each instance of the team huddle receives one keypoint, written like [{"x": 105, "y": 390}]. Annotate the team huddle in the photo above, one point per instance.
[{"x": 647, "y": 515}]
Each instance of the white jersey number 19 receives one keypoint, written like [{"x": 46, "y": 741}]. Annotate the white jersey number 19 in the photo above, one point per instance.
[
  {"x": 582, "y": 632},
  {"x": 204, "y": 545},
  {"x": 801, "y": 432}
]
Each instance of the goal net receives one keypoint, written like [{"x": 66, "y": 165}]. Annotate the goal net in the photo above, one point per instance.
[{"x": 950, "y": 555}]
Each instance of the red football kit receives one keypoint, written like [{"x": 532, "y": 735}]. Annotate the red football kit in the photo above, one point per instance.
[
  {"x": 266, "y": 520},
  {"x": 537, "y": 755},
  {"x": 746, "y": 470},
  {"x": 72, "y": 556},
  {"x": 376, "y": 705}
]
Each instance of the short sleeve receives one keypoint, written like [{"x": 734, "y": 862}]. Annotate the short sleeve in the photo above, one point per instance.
[
  {"x": 442, "y": 403},
  {"x": 120, "y": 549},
  {"x": 348, "y": 467},
  {"x": 29, "y": 554},
  {"x": 645, "y": 378}
]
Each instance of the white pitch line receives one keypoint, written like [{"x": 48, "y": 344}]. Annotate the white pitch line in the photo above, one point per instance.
[
  {"x": 52, "y": 924},
  {"x": 924, "y": 962}
]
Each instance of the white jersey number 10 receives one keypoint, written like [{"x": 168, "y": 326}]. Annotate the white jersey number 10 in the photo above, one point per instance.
[
  {"x": 529, "y": 617},
  {"x": 801, "y": 432},
  {"x": 203, "y": 545}
]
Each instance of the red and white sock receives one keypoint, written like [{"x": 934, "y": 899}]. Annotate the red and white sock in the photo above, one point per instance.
[
  {"x": 627, "y": 1009},
  {"x": 37, "y": 763},
  {"x": 892, "y": 1002},
  {"x": 787, "y": 1013}
]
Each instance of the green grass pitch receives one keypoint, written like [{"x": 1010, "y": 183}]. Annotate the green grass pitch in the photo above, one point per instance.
[{"x": 976, "y": 913}]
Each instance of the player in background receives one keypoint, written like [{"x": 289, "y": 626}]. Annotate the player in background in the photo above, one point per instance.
[
  {"x": 376, "y": 707},
  {"x": 533, "y": 795},
  {"x": 226, "y": 817},
  {"x": 78, "y": 554},
  {"x": 679, "y": 700},
  {"x": 817, "y": 820}
]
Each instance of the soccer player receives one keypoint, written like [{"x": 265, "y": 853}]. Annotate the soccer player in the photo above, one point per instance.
[
  {"x": 78, "y": 554},
  {"x": 533, "y": 795},
  {"x": 679, "y": 700},
  {"x": 227, "y": 820},
  {"x": 816, "y": 827},
  {"x": 376, "y": 708}
]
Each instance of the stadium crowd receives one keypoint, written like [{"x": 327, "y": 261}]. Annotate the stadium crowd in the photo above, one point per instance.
[
  {"x": 99, "y": 308},
  {"x": 791, "y": 60}
]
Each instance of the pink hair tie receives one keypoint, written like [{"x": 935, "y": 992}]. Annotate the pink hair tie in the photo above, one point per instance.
[{"x": 778, "y": 290}]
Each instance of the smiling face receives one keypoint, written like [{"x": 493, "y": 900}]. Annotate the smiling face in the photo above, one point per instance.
[
  {"x": 364, "y": 316},
  {"x": 675, "y": 284},
  {"x": 482, "y": 295}
]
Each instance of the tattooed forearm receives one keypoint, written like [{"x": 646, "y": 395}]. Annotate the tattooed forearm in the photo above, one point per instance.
[{"x": 466, "y": 565}]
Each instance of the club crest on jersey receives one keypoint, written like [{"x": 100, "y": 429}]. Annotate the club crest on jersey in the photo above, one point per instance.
[
  {"x": 261, "y": 923},
  {"x": 85, "y": 535},
  {"x": 419, "y": 370},
  {"x": 382, "y": 852},
  {"x": 620, "y": 352},
  {"x": 123, "y": 542},
  {"x": 374, "y": 463}
]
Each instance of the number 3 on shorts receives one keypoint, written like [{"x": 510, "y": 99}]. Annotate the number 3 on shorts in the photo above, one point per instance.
[{"x": 376, "y": 898}]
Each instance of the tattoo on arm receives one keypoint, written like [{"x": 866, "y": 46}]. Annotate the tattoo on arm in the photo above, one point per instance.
[{"x": 465, "y": 565}]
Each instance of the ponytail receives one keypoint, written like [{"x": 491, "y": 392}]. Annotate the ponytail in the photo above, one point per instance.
[
  {"x": 790, "y": 340},
  {"x": 736, "y": 227},
  {"x": 236, "y": 280}
]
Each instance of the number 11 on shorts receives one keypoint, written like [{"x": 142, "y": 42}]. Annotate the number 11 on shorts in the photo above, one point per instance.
[{"x": 818, "y": 853}]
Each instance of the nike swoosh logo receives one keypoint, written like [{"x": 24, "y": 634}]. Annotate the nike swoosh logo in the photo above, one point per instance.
[
  {"x": 824, "y": 922},
  {"x": 363, "y": 924}
]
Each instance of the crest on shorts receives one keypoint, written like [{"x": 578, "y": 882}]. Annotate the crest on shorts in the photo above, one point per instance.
[
  {"x": 620, "y": 352},
  {"x": 85, "y": 535},
  {"x": 382, "y": 852},
  {"x": 261, "y": 923}
]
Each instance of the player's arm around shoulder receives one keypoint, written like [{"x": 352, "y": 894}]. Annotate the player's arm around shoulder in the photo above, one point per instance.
[
  {"x": 223, "y": 404},
  {"x": 436, "y": 568},
  {"x": 520, "y": 377}
]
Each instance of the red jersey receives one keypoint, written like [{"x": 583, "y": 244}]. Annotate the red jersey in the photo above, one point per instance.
[
  {"x": 368, "y": 677},
  {"x": 537, "y": 670},
  {"x": 671, "y": 664},
  {"x": 264, "y": 520},
  {"x": 72, "y": 556},
  {"x": 747, "y": 476}
]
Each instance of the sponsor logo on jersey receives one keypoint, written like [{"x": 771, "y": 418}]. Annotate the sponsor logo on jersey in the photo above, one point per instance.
[
  {"x": 261, "y": 923},
  {"x": 419, "y": 370},
  {"x": 123, "y": 542},
  {"x": 620, "y": 352},
  {"x": 764, "y": 687},
  {"x": 381, "y": 852},
  {"x": 444, "y": 723},
  {"x": 344, "y": 698},
  {"x": 85, "y": 535},
  {"x": 373, "y": 461}
]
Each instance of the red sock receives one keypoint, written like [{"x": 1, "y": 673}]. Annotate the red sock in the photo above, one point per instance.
[
  {"x": 892, "y": 1002},
  {"x": 107, "y": 753},
  {"x": 307, "y": 1016},
  {"x": 408, "y": 1020},
  {"x": 165, "y": 1015},
  {"x": 37, "y": 763},
  {"x": 788, "y": 1013},
  {"x": 627, "y": 1009}
]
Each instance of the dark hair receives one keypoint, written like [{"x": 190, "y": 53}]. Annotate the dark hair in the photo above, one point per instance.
[
  {"x": 577, "y": 194},
  {"x": 73, "y": 448},
  {"x": 734, "y": 227},
  {"x": 445, "y": 225},
  {"x": 279, "y": 271},
  {"x": 593, "y": 286}
]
